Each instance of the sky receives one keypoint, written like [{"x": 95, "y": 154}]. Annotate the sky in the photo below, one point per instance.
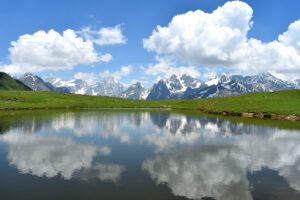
[{"x": 144, "y": 41}]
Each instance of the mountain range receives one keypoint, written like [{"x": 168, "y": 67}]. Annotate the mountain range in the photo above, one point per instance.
[
  {"x": 174, "y": 87},
  {"x": 38, "y": 84}
]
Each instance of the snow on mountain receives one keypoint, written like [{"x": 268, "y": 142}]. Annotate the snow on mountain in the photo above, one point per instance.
[
  {"x": 135, "y": 91},
  {"x": 108, "y": 87},
  {"x": 231, "y": 85},
  {"x": 174, "y": 87},
  {"x": 224, "y": 78},
  {"x": 213, "y": 81},
  {"x": 297, "y": 83},
  {"x": 35, "y": 82},
  {"x": 178, "y": 84},
  {"x": 267, "y": 82},
  {"x": 38, "y": 84},
  {"x": 76, "y": 86}
]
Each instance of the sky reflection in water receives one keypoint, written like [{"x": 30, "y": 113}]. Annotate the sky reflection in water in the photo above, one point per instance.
[{"x": 193, "y": 157}]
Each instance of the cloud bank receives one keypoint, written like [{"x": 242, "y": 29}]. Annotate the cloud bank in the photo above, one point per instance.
[{"x": 220, "y": 39}]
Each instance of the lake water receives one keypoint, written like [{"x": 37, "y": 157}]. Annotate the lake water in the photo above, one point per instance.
[{"x": 144, "y": 155}]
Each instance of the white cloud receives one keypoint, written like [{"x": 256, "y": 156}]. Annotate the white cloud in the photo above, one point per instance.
[
  {"x": 105, "y": 35},
  {"x": 51, "y": 51},
  {"x": 167, "y": 66},
  {"x": 158, "y": 78},
  {"x": 124, "y": 71},
  {"x": 90, "y": 78},
  {"x": 220, "y": 39},
  {"x": 106, "y": 57}
]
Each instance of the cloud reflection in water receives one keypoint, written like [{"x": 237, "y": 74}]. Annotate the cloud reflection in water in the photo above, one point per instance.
[
  {"x": 220, "y": 170},
  {"x": 49, "y": 156}
]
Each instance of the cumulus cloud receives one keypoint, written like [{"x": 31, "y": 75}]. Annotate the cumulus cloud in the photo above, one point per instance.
[
  {"x": 124, "y": 71},
  {"x": 220, "y": 39},
  {"x": 106, "y": 57},
  {"x": 105, "y": 35},
  {"x": 167, "y": 66},
  {"x": 51, "y": 51}
]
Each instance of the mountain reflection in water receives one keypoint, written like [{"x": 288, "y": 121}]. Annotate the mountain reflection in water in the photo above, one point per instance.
[{"x": 195, "y": 157}]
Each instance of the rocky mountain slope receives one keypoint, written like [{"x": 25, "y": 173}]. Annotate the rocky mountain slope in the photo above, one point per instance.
[
  {"x": 135, "y": 91},
  {"x": 231, "y": 85},
  {"x": 38, "y": 84},
  {"x": 174, "y": 87},
  {"x": 108, "y": 87}
]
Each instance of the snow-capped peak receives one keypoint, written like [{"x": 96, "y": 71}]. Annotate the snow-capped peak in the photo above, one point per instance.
[
  {"x": 213, "y": 81},
  {"x": 112, "y": 80},
  {"x": 27, "y": 74},
  {"x": 179, "y": 84},
  {"x": 136, "y": 91},
  {"x": 223, "y": 78}
]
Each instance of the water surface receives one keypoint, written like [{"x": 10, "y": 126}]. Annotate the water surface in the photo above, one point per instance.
[{"x": 144, "y": 155}]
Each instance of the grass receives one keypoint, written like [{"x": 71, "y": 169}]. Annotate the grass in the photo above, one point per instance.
[
  {"x": 8, "y": 83},
  {"x": 282, "y": 102}
]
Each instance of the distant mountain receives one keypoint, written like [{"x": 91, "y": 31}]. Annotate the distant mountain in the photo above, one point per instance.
[
  {"x": 8, "y": 83},
  {"x": 135, "y": 91},
  {"x": 174, "y": 87},
  {"x": 38, "y": 84},
  {"x": 297, "y": 84},
  {"x": 231, "y": 85},
  {"x": 108, "y": 87},
  {"x": 76, "y": 86},
  {"x": 35, "y": 82},
  {"x": 159, "y": 91}
]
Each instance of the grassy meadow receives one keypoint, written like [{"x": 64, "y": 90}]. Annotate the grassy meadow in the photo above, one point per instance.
[{"x": 282, "y": 102}]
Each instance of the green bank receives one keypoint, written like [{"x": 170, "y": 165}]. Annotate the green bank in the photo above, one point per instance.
[{"x": 285, "y": 102}]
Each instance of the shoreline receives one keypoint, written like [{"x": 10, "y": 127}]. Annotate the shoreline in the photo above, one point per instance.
[
  {"x": 258, "y": 115},
  {"x": 280, "y": 105}
]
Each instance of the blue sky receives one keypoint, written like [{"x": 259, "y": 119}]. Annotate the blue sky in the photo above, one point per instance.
[{"x": 137, "y": 19}]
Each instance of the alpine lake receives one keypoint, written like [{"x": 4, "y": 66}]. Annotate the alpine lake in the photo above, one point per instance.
[{"x": 146, "y": 154}]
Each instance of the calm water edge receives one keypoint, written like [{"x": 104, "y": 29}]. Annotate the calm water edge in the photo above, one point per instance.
[{"x": 145, "y": 155}]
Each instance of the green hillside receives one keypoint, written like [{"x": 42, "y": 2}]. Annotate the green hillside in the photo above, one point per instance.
[
  {"x": 8, "y": 83},
  {"x": 282, "y": 102}
]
